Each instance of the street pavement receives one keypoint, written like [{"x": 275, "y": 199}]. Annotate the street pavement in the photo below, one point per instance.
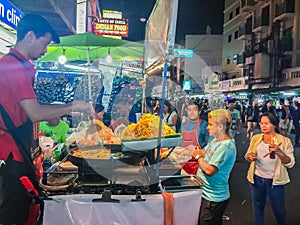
[{"x": 239, "y": 209}]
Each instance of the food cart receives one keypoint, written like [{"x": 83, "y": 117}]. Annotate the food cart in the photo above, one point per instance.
[
  {"x": 123, "y": 181},
  {"x": 126, "y": 182}
]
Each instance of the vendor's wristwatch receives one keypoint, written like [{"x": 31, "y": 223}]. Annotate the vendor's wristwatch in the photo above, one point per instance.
[{"x": 197, "y": 157}]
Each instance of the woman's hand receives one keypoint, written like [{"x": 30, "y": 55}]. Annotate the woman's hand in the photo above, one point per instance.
[
  {"x": 274, "y": 148},
  {"x": 198, "y": 151},
  {"x": 251, "y": 157}
]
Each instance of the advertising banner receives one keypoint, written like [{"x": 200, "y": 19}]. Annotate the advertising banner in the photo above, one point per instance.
[
  {"x": 10, "y": 14},
  {"x": 116, "y": 27}
]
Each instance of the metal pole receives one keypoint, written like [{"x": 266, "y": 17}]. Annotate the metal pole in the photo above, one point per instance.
[
  {"x": 89, "y": 75},
  {"x": 161, "y": 116}
]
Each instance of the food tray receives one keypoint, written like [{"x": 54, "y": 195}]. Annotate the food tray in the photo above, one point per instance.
[
  {"x": 178, "y": 183},
  {"x": 151, "y": 143}
]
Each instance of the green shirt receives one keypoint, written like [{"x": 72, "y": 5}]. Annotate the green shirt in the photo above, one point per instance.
[{"x": 57, "y": 133}]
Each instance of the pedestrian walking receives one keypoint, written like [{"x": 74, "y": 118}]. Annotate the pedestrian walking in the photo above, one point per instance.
[
  {"x": 252, "y": 117},
  {"x": 284, "y": 120},
  {"x": 296, "y": 122},
  {"x": 269, "y": 155},
  {"x": 236, "y": 118}
]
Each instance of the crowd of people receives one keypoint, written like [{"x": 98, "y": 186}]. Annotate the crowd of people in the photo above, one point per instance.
[{"x": 270, "y": 153}]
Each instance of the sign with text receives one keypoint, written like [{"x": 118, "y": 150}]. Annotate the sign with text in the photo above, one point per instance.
[
  {"x": 187, "y": 85},
  {"x": 10, "y": 14},
  {"x": 225, "y": 83},
  {"x": 132, "y": 66},
  {"x": 183, "y": 53},
  {"x": 111, "y": 14},
  {"x": 116, "y": 27}
]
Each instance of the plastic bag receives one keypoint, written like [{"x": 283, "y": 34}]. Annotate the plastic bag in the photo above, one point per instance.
[{"x": 180, "y": 154}]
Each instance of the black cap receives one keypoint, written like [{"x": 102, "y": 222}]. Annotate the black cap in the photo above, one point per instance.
[
  {"x": 231, "y": 101},
  {"x": 99, "y": 108},
  {"x": 38, "y": 24}
]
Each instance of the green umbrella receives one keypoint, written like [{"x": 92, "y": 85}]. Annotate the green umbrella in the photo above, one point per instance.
[
  {"x": 81, "y": 53},
  {"x": 88, "y": 46}
]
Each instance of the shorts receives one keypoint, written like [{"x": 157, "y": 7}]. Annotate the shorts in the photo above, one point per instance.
[
  {"x": 284, "y": 125},
  {"x": 14, "y": 200}
]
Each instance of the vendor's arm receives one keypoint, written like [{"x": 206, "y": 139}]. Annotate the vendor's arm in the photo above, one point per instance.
[
  {"x": 207, "y": 168},
  {"x": 203, "y": 135},
  {"x": 37, "y": 112}
]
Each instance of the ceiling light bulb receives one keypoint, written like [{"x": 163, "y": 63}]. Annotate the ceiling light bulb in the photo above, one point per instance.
[
  {"x": 62, "y": 59},
  {"x": 108, "y": 58}
]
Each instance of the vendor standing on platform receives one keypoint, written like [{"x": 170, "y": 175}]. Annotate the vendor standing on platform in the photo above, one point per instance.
[
  {"x": 194, "y": 130},
  {"x": 215, "y": 164},
  {"x": 56, "y": 128},
  {"x": 19, "y": 110}
]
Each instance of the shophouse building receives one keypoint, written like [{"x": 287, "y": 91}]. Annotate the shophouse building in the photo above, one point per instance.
[{"x": 261, "y": 46}]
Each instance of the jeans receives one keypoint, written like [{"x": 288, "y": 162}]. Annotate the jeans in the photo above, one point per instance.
[{"x": 260, "y": 190}]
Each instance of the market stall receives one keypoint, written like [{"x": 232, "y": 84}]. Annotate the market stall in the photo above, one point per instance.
[{"x": 102, "y": 169}]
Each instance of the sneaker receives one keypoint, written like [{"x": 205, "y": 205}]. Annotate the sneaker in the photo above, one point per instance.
[{"x": 224, "y": 217}]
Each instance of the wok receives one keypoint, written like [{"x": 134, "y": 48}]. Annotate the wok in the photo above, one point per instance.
[{"x": 105, "y": 166}]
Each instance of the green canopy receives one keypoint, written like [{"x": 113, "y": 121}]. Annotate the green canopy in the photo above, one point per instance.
[{"x": 80, "y": 46}]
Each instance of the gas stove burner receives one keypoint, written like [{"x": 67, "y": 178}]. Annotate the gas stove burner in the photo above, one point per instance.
[{"x": 119, "y": 189}]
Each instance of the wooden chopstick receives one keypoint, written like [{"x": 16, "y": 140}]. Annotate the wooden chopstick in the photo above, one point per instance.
[{"x": 270, "y": 151}]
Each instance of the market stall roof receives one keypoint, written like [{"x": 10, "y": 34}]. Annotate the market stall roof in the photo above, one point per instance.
[
  {"x": 78, "y": 46},
  {"x": 59, "y": 13}
]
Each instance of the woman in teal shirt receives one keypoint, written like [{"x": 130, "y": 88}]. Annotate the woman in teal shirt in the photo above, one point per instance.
[{"x": 216, "y": 161}]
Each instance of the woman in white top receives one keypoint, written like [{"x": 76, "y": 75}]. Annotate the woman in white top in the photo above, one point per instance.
[
  {"x": 170, "y": 115},
  {"x": 269, "y": 154}
]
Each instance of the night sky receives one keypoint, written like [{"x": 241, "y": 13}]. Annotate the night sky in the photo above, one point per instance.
[{"x": 193, "y": 16}]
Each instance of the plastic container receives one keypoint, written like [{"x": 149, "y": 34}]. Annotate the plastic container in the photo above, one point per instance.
[{"x": 47, "y": 164}]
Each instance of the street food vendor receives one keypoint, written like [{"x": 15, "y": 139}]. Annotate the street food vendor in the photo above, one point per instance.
[
  {"x": 19, "y": 110},
  {"x": 56, "y": 128},
  {"x": 194, "y": 130}
]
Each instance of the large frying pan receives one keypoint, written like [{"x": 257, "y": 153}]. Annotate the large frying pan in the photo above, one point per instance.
[{"x": 105, "y": 166}]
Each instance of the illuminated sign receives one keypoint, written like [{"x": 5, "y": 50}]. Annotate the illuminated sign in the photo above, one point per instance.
[
  {"x": 111, "y": 14},
  {"x": 187, "y": 85},
  {"x": 132, "y": 66},
  {"x": 226, "y": 84},
  {"x": 116, "y": 27},
  {"x": 183, "y": 53},
  {"x": 81, "y": 17},
  {"x": 10, "y": 14}
]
